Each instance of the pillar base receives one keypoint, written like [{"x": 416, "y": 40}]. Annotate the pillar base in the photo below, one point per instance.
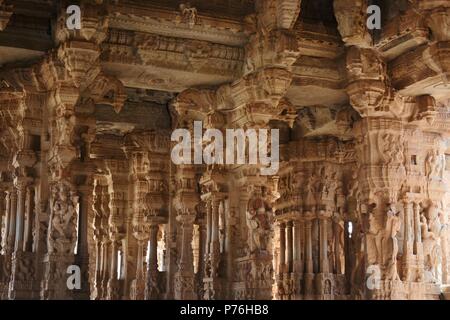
[
  {"x": 254, "y": 278},
  {"x": 54, "y": 285},
  {"x": 185, "y": 286},
  {"x": 212, "y": 288}
]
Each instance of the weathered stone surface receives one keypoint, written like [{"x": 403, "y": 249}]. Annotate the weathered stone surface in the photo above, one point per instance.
[{"x": 358, "y": 209}]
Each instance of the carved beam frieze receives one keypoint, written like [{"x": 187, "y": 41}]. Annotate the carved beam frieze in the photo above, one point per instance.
[
  {"x": 186, "y": 22},
  {"x": 323, "y": 42},
  {"x": 422, "y": 71},
  {"x": 401, "y": 34}
]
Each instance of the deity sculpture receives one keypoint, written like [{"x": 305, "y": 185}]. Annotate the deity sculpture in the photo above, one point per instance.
[
  {"x": 431, "y": 229},
  {"x": 374, "y": 238},
  {"x": 188, "y": 14},
  {"x": 63, "y": 232},
  {"x": 390, "y": 243},
  {"x": 259, "y": 226},
  {"x": 434, "y": 165}
]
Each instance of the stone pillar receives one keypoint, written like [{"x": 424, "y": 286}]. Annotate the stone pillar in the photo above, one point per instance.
[
  {"x": 324, "y": 263},
  {"x": 98, "y": 263},
  {"x": 418, "y": 245},
  {"x": 29, "y": 219},
  {"x": 282, "y": 259},
  {"x": 20, "y": 216},
  {"x": 12, "y": 222},
  {"x": 7, "y": 221},
  {"x": 61, "y": 245},
  {"x": 23, "y": 270},
  {"x": 201, "y": 258},
  {"x": 337, "y": 268},
  {"x": 290, "y": 252},
  {"x": 215, "y": 244},
  {"x": 5, "y": 256},
  {"x": 282, "y": 265},
  {"x": 113, "y": 285},
  {"x": 184, "y": 278},
  {"x": 212, "y": 281},
  {"x": 105, "y": 267},
  {"x": 82, "y": 257},
  {"x": 407, "y": 240},
  {"x": 152, "y": 289},
  {"x": 207, "y": 243},
  {"x": 230, "y": 249},
  {"x": 24, "y": 282},
  {"x": 309, "y": 267},
  {"x": 298, "y": 265},
  {"x": 139, "y": 281}
]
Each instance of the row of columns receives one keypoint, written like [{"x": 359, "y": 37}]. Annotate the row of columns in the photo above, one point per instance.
[
  {"x": 212, "y": 282},
  {"x": 299, "y": 239},
  {"x": 17, "y": 240}
]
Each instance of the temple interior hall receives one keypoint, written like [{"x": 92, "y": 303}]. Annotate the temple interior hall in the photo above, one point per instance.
[{"x": 352, "y": 95}]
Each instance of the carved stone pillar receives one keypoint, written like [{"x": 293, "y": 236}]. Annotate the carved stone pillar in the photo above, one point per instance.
[
  {"x": 212, "y": 183},
  {"x": 97, "y": 223},
  {"x": 12, "y": 221},
  {"x": 152, "y": 290},
  {"x": 82, "y": 258},
  {"x": 184, "y": 278},
  {"x": 215, "y": 245},
  {"x": 201, "y": 267},
  {"x": 114, "y": 224},
  {"x": 289, "y": 251},
  {"x": 324, "y": 263},
  {"x": 282, "y": 258},
  {"x": 62, "y": 241},
  {"x": 212, "y": 285},
  {"x": 407, "y": 239},
  {"x": 5, "y": 255},
  {"x": 7, "y": 221},
  {"x": 20, "y": 216},
  {"x": 23, "y": 284},
  {"x": 309, "y": 271},
  {"x": 418, "y": 244},
  {"x": 299, "y": 265},
  {"x": 298, "y": 248},
  {"x": 29, "y": 219},
  {"x": 336, "y": 266},
  {"x": 141, "y": 228},
  {"x": 282, "y": 267}
]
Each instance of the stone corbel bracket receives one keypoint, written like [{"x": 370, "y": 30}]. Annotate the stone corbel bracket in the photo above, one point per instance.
[
  {"x": 437, "y": 17},
  {"x": 259, "y": 92},
  {"x": 352, "y": 17},
  {"x": 107, "y": 90},
  {"x": 287, "y": 13},
  {"x": 81, "y": 59},
  {"x": 277, "y": 14},
  {"x": 192, "y": 104},
  {"x": 367, "y": 81},
  {"x": 94, "y": 22}
]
